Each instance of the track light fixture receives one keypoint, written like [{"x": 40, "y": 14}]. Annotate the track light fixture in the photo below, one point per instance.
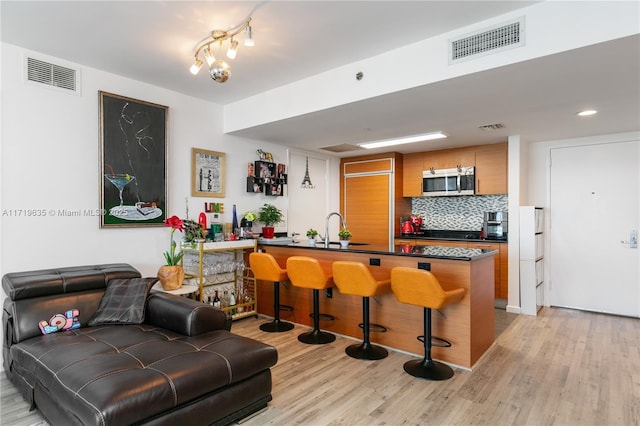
[{"x": 219, "y": 70}]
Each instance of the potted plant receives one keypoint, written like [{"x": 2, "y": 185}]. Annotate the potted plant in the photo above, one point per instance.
[
  {"x": 269, "y": 215},
  {"x": 344, "y": 235},
  {"x": 193, "y": 231},
  {"x": 171, "y": 275},
  {"x": 249, "y": 217},
  {"x": 312, "y": 234}
]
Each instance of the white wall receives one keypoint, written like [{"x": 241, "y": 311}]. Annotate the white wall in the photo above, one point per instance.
[{"x": 50, "y": 160}]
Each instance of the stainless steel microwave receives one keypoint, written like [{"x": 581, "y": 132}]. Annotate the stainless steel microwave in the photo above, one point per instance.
[{"x": 458, "y": 181}]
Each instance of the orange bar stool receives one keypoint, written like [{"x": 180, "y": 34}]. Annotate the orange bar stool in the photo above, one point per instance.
[
  {"x": 265, "y": 268},
  {"x": 306, "y": 272},
  {"x": 419, "y": 287},
  {"x": 355, "y": 278}
]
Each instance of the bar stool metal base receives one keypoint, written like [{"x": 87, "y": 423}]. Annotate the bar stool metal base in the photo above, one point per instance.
[
  {"x": 366, "y": 351},
  {"x": 316, "y": 337},
  {"x": 428, "y": 369},
  {"x": 276, "y": 326}
]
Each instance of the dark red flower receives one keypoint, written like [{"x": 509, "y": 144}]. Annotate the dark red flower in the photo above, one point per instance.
[{"x": 175, "y": 223}]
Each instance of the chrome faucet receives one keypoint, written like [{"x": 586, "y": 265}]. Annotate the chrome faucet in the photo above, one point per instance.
[{"x": 326, "y": 226}]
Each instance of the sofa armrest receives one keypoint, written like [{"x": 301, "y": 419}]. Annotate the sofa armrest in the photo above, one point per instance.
[{"x": 184, "y": 316}]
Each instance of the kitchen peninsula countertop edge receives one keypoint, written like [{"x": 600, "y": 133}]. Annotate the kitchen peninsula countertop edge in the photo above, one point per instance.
[{"x": 433, "y": 252}]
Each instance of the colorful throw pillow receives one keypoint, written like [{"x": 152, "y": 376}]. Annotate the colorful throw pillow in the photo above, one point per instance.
[
  {"x": 66, "y": 321},
  {"x": 124, "y": 301}
]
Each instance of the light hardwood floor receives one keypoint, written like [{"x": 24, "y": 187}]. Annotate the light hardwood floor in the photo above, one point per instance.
[{"x": 563, "y": 367}]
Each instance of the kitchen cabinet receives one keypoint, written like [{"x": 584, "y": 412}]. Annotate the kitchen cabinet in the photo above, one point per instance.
[
  {"x": 531, "y": 259},
  {"x": 490, "y": 163},
  {"x": 371, "y": 197},
  {"x": 500, "y": 277},
  {"x": 449, "y": 158},
  {"x": 412, "y": 175},
  {"x": 491, "y": 169}
]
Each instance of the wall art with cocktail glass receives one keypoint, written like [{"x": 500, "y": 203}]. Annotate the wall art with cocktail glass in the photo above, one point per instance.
[{"x": 133, "y": 162}]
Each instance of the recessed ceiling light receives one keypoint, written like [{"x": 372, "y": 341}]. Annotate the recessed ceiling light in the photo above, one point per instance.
[
  {"x": 403, "y": 140},
  {"x": 587, "y": 112}
]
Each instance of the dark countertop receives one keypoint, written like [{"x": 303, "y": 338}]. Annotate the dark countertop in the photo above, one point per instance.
[
  {"x": 449, "y": 235},
  {"x": 437, "y": 252}
]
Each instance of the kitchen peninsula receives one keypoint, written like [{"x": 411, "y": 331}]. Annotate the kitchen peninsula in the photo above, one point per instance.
[{"x": 469, "y": 325}]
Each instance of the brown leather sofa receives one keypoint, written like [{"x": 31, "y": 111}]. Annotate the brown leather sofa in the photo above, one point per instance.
[{"x": 182, "y": 365}]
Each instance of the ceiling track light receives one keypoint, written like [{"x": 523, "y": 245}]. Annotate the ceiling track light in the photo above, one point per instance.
[{"x": 219, "y": 70}]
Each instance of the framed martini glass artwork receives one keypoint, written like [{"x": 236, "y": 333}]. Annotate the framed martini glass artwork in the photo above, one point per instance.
[{"x": 133, "y": 163}]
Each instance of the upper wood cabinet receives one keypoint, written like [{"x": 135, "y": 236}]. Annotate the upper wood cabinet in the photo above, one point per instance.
[
  {"x": 449, "y": 158},
  {"x": 490, "y": 162},
  {"x": 412, "y": 175},
  {"x": 491, "y": 169}
]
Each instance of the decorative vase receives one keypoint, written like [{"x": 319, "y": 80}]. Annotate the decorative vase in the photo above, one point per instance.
[
  {"x": 267, "y": 231},
  {"x": 344, "y": 243},
  {"x": 171, "y": 277},
  {"x": 312, "y": 241}
]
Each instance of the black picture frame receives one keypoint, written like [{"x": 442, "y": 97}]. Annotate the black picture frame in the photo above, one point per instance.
[{"x": 133, "y": 162}]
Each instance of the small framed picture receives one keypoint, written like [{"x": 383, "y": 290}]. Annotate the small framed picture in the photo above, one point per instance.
[
  {"x": 265, "y": 170},
  {"x": 207, "y": 173}
]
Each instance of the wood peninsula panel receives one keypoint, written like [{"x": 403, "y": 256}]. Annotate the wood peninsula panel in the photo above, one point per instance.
[
  {"x": 501, "y": 260},
  {"x": 469, "y": 325},
  {"x": 504, "y": 272}
]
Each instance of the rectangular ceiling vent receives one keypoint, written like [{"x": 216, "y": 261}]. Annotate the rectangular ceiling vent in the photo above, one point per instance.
[
  {"x": 56, "y": 76},
  {"x": 487, "y": 41}
]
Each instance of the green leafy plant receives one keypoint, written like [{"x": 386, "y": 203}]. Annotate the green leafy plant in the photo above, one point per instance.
[
  {"x": 193, "y": 231},
  {"x": 270, "y": 215},
  {"x": 344, "y": 234},
  {"x": 172, "y": 258},
  {"x": 312, "y": 233}
]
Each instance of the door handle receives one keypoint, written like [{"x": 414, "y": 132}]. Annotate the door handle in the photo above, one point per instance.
[{"x": 633, "y": 239}]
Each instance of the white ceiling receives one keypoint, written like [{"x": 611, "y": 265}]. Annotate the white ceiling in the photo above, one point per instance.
[{"x": 154, "y": 42}]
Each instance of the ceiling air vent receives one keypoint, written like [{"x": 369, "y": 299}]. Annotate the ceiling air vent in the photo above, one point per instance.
[
  {"x": 495, "y": 39},
  {"x": 494, "y": 126},
  {"x": 42, "y": 72}
]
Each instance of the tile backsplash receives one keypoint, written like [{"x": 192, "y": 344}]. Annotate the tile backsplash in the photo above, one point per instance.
[{"x": 463, "y": 213}]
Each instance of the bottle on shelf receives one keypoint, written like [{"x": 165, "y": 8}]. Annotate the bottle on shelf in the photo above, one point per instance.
[
  {"x": 216, "y": 301},
  {"x": 225, "y": 299},
  {"x": 234, "y": 223},
  {"x": 232, "y": 302}
]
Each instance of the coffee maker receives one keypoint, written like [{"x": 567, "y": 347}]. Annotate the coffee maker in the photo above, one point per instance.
[{"x": 495, "y": 225}]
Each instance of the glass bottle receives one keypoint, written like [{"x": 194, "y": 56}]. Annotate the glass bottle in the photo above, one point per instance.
[
  {"x": 234, "y": 223},
  {"x": 216, "y": 301},
  {"x": 232, "y": 303}
]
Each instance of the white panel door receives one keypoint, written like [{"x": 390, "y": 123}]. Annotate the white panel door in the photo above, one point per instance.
[
  {"x": 595, "y": 192},
  {"x": 308, "y": 207}
]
